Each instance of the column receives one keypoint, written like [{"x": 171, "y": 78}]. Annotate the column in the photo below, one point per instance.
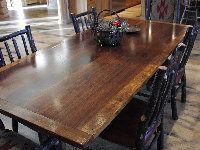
[
  {"x": 63, "y": 11},
  {"x": 3, "y": 8}
]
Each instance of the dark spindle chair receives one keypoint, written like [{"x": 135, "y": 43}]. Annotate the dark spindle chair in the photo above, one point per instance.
[
  {"x": 11, "y": 140},
  {"x": 84, "y": 20},
  {"x": 161, "y": 10},
  {"x": 190, "y": 12},
  {"x": 179, "y": 60},
  {"x": 140, "y": 122},
  {"x": 180, "y": 80},
  {"x": 14, "y": 40},
  {"x": 25, "y": 36}
]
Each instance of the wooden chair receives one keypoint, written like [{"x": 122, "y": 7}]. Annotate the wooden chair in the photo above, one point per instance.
[
  {"x": 139, "y": 122},
  {"x": 161, "y": 10},
  {"x": 7, "y": 54},
  {"x": 11, "y": 140},
  {"x": 180, "y": 80},
  {"x": 84, "y": 20},
  {"x": 190, "y": 12},
  {"x": 10, "y": 40},
  {"x": 178, "y": 60}
]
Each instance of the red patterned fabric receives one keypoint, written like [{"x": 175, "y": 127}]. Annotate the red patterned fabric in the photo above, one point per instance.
[{"x": 163, "y": 10}]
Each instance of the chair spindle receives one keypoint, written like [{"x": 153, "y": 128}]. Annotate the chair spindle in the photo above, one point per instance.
[
  {"x": 16, "y": 48},
  {"x": 8, "y": 50},
  {"x": 86, "y": 22},
  {"x": 24, "y": 43},
  {"x": 14, "y": 41},
  {"x": 2, "y": 62},
  {"x": 82, "y": 23},
  {"x": 30, "y": 39}
]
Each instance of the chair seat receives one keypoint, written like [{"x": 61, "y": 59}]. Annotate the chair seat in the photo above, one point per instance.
[
  {"x": 123, "y": 129},
  {"x": 10, "y": 140}
]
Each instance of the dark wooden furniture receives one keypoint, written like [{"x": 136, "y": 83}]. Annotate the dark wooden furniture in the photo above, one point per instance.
[
  {"x": 180, "y": 79},
  {"x": 12, "y": 37},
  {"x": 190, "y": 12},
  {"x": 140, "y": 123},
  {"x": 84, "y": 20},
  {"x": 12, "y": 48},
  {"x": 179, "y": 60},
  {"x": 74, "y": 90},
  {"x": 12, "y": 140}
]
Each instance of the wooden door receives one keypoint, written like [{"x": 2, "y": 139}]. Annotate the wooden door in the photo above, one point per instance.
[
  {"x": 72, "y": 6},
  {"x": 90, "y": 4},
  {"x": 105, "y": 4},
  {"x": 130, "y": 3}
]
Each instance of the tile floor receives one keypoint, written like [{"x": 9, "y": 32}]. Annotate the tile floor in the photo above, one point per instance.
[{"x": 183, "y": 134}]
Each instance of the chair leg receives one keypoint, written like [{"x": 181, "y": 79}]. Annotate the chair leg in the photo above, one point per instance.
[
  {"x": 60, "y": 146},
  {"x": 1, "y": 125},
  {"x": 160, "y": 141},
  {"x": 173, "y": 103},
  {"x": 183, "y": 94},
  {"x": 42, "y": 138},
  {"x": 15, "y": 125}
]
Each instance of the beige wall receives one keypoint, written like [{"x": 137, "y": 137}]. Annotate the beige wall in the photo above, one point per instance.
[
  {"x": 81, "y": 5},
  {"x": 78, "y": 6}
]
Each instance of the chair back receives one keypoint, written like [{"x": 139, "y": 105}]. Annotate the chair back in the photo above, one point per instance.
[
  {"x": 1, "y": 125},
  {"x": 84, "y": 20},
  {"x": 152, "y": 118},
  {"x": 189, "y": 40},
  {"x": 161, "y": 10},
  {"x": 191, "y": 3},
  {"x": 10, "y": 41},
  {"x": 181, "y": 54}
]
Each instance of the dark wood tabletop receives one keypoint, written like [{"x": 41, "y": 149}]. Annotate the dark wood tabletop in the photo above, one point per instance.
[{"x": 74, "y": 90}]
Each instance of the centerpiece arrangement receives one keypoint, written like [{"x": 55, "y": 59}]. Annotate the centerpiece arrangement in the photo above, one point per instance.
[{"x": 109, "y": 32}]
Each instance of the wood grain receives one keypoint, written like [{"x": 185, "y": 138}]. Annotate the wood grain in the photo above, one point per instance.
[{"x": 81, "y": 86}]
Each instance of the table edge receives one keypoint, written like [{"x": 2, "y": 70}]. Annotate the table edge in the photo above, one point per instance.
[{"x": 72, "y": 136}]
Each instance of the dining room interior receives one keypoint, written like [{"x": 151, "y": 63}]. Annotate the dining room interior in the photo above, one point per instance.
[{"x": 53, "y": 29}]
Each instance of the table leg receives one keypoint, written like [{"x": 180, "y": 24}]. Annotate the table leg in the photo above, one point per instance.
[{"x": 15, "y": 125}]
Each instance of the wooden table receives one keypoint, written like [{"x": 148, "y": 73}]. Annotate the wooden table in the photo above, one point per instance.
[{"x": 74, "y": 90}]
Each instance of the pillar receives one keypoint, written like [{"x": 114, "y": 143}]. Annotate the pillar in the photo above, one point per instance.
[
  {"x": 63, "y": 11},
  {"x": 3, "y": 9}
]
